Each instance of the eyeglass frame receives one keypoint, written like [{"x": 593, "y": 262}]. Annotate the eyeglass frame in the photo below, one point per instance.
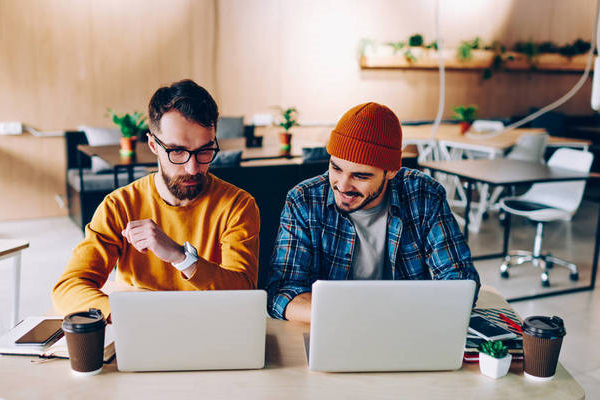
[{"x": 189, "y": 152}]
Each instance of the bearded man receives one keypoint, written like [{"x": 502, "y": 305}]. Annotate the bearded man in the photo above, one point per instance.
[
  {"x": 365, "y": 218},
  {"x": 181, "y": 228}
]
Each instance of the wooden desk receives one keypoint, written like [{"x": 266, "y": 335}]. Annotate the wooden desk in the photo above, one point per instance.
[
  {"x": 145, "y": 158},
  {"x": 450, "y": 135},
  {"x": 507, "y": 172},
  {"x": 11, "y": 248},
  {"x": 286, "y": 376},
  {"x": 557, "y": 141}
]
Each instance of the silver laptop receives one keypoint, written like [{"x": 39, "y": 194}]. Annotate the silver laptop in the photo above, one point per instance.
[
  {"x": 389, "y": 325},
  {"x": 189, "y": 330}
]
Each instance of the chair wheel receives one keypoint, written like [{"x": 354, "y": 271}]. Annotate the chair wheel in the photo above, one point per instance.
[
  {"x": 504, "y": 274},
  {"x": 485, "y": 216},
  {"x": 545, "y": 283},
  {"x": 574, "y": 276},
  {"x": 549, "y": 264}
]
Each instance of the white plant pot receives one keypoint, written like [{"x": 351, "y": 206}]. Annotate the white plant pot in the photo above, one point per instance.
[{"x": 494, "y": 367}]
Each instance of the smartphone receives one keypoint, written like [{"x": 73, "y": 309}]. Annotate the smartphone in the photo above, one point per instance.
[
  {"x": 43, "y": 333},
  {"x": 488, "y": 330}
]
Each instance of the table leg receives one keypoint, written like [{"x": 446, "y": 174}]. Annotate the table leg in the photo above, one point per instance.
[
  {"x": 468, "y": 209},
  {"x": 116, "y": 176},
  {"x": 507, "y": 222},
  {"x": 130, "y": 174},
  {"x": 17, "y": 287},
  {"x": 596, "y": 251}
]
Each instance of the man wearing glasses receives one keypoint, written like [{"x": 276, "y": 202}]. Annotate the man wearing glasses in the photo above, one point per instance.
[{"x": 181, "y": 228}]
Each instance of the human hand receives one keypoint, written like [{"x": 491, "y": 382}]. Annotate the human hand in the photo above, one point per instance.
[{"x": 146, "y": 235}]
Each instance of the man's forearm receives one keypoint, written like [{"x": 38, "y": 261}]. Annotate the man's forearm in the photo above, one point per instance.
[
  {"x": 298, "y": 309},
  {"x": 77, "y": 294}
]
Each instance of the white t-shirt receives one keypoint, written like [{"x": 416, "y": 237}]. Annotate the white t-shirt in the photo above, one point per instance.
[{"x": 370, "y": 259}]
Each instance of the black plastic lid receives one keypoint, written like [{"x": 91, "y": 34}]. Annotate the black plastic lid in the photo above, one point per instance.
[
  {"x": 544, "y": 327},
  {"x": 84, "y": 321}
]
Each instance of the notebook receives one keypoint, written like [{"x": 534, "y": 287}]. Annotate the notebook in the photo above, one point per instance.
[
  {"x": 189, "y": 330},
  {"x": 57, "y": 349},
  {"x": 389, "y": 325}
]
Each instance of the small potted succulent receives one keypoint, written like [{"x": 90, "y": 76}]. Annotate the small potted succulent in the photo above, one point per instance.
[
  {"x": 465, "y": 115},
  {"x": 494, "y": 359},
  {"x": 132, "y": 126},
  {"x": 288, "y": 120}
]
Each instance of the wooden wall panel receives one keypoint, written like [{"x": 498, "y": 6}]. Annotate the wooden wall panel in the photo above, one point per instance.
[
  {"x": 64, "y": 62},
  {"x": 72, "y": 59},
  {"x": 32, "y": 174},
  {"x": 311, "y": 57}
]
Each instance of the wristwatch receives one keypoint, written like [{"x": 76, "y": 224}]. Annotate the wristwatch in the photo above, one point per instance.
[{"x": 191, "y": 256}]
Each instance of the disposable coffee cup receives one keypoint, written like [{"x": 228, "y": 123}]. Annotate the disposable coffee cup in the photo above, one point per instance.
[
  {"x": 85, "y": 341},
  {"x": 542, "y": 339}
]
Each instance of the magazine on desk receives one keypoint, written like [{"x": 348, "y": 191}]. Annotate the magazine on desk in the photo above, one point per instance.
[
  {"x": 515, "y": 346},
  {"x": 56, "y": 349}
]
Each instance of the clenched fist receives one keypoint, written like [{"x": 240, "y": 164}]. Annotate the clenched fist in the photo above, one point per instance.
[{"x": 145, "y": 235}]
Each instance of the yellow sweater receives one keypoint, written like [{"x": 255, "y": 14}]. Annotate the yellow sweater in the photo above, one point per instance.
[{"x": 222, "y": 224}]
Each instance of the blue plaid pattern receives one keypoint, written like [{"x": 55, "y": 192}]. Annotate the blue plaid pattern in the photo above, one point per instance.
[{"x": 315, "y": 241}]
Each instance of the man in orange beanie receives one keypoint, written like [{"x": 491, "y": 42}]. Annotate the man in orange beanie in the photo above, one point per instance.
[{"x": 365, "y": 218}]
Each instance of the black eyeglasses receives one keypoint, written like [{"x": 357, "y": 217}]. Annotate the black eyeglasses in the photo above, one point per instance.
[{"x": 204, "y": 155}]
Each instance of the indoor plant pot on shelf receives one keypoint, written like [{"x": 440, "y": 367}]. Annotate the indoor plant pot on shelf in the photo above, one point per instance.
[
  {"x": 131, "y": 127},
  {"x": 465, "y": 115},
  {"x": 494, "y": 359},
  {"x": 288, "y": 121}
]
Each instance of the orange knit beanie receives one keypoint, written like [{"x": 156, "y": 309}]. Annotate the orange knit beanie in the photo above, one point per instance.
[{"x": 368, "y": 134}]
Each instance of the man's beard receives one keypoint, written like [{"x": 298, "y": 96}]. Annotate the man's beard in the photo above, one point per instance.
[
  {"x": 368, "y": 199},
  {"x": 181, "y": 191}
]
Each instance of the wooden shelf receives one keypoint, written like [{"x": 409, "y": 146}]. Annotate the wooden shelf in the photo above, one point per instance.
[{"x": 481, "y": 59}]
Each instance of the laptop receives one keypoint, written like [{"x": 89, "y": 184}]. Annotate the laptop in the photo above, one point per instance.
[
  {"x": 189, "y": 330},
  {"x": 359, "y": 326}
]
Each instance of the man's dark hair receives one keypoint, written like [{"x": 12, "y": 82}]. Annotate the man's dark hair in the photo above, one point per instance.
[{"x": 186, "y": 97}]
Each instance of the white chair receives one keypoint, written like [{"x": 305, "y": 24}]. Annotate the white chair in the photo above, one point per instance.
[
  {"x": 546, "y": 202},
  {"x": 530, "y": 147}
]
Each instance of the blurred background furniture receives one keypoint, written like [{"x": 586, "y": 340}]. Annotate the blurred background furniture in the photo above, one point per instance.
[
  {"x": 528, "y": 148},
  {"x": 11, "y": 248},
  {"x": 230, "y": 127},
  {"x": 546, "y": 202},
  {"x": 506, "y": 172}
]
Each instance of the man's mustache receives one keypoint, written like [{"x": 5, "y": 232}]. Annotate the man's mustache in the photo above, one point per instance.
[
  {"x": 198, "y": 178},
  {"x": 357, "y": 194}
]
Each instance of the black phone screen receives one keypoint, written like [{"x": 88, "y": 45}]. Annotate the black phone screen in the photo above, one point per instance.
[
  {"x": 487, "y": 328},
  {"x": 42, "y": 332}
]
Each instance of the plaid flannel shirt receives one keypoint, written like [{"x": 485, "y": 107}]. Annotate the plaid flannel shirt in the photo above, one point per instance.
[{"x": 315, "y": 241}]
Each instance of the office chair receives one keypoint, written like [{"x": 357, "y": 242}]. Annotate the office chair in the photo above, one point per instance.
[
  {"x": 230, "y": 127},
  {"x": 529, "y": 147},
  {"x": 546, "y": 202}
]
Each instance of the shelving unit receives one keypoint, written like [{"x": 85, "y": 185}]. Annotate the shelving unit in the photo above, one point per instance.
[{"x": 481, "y": 59}]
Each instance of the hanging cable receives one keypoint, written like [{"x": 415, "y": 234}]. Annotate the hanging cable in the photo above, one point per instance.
[
  {"x": 563, "y": 99},
  {"x": 442, "y": 74}
]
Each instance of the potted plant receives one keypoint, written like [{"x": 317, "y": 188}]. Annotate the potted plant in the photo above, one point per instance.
[
  {"x": 131, "y": 126},
  {"x": 465, "y": 115},
  {"x": 494, "y": 359},
  {"x": 288, "y": 121}
]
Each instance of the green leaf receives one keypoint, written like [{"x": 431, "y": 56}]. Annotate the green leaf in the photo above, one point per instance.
[
  {"x": 496, "y": 349},
  {"x": 289, "y": 118},
  {"x": 130, "y": 124},
  {"x": 409, "y": 56},
  {"x": 415, "y": 40},
  {"x": 465, "y": 113}
]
